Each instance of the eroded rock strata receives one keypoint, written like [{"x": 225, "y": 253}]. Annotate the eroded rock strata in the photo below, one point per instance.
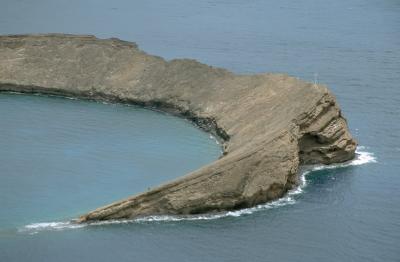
[{"x": 269, "y": 124}]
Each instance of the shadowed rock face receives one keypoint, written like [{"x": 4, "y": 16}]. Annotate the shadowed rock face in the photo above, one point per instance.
[{"x": 269, "y": 123}]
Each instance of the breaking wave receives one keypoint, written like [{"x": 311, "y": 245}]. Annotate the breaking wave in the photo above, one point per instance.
[{"x": 362, "y": 157}]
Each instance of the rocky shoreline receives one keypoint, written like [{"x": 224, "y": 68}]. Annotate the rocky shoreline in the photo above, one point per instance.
[{"x": 269, "y": 124}]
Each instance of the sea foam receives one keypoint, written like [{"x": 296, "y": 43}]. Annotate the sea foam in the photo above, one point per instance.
[{"x": 362, "y": 157}]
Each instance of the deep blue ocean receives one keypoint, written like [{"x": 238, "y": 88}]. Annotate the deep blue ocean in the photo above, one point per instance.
[{"x": 60, "y": 157}]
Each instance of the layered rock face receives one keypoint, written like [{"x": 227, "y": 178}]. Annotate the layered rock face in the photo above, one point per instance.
[{"x": 268, "y": 124}]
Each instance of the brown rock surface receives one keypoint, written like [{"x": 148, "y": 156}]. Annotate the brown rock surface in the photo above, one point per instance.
[{"x": 269, "y": 123}]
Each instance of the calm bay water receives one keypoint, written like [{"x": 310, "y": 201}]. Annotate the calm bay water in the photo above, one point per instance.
[
  {"x": 61, "y": 157},
  {"x": 344, "y": 214}
]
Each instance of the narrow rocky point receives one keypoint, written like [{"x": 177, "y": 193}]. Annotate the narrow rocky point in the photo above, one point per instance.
[{"x": 268, "y": 124}]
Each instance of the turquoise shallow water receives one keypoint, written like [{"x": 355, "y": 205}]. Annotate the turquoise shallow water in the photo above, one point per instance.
[
  {"x": 62, "y": 157},
  {"x": 350, "y": 213}
]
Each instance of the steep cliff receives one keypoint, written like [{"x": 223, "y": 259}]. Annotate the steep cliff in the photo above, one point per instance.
[{"x": 269, "y": 124}]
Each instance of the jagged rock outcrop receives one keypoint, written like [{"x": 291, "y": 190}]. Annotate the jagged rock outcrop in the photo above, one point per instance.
[{"x": 269, "y": 124}]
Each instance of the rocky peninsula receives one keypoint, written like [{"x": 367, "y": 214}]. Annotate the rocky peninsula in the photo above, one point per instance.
[{"x": 268, "y": 124}]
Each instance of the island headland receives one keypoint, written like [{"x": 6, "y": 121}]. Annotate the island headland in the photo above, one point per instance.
[{"x": 268, "y": 124}]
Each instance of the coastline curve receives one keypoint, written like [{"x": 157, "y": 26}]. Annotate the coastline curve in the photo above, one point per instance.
[{"x": 268, "y": 124}]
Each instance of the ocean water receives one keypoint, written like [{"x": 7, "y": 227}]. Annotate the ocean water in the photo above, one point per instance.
[{"x": 348, "y": 212}]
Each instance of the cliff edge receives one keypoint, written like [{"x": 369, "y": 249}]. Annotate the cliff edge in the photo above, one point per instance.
[{"x": 268, "y": 124}]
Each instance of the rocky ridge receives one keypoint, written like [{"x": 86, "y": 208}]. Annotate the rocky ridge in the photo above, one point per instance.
[{"x": 269, "y": 124}]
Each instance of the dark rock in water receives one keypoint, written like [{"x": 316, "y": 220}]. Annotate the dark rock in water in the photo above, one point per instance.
[{"x": 268, "y": 124}]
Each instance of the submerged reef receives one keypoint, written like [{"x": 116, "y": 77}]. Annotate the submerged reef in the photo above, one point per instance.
[{"x": 268, "y": 124}]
